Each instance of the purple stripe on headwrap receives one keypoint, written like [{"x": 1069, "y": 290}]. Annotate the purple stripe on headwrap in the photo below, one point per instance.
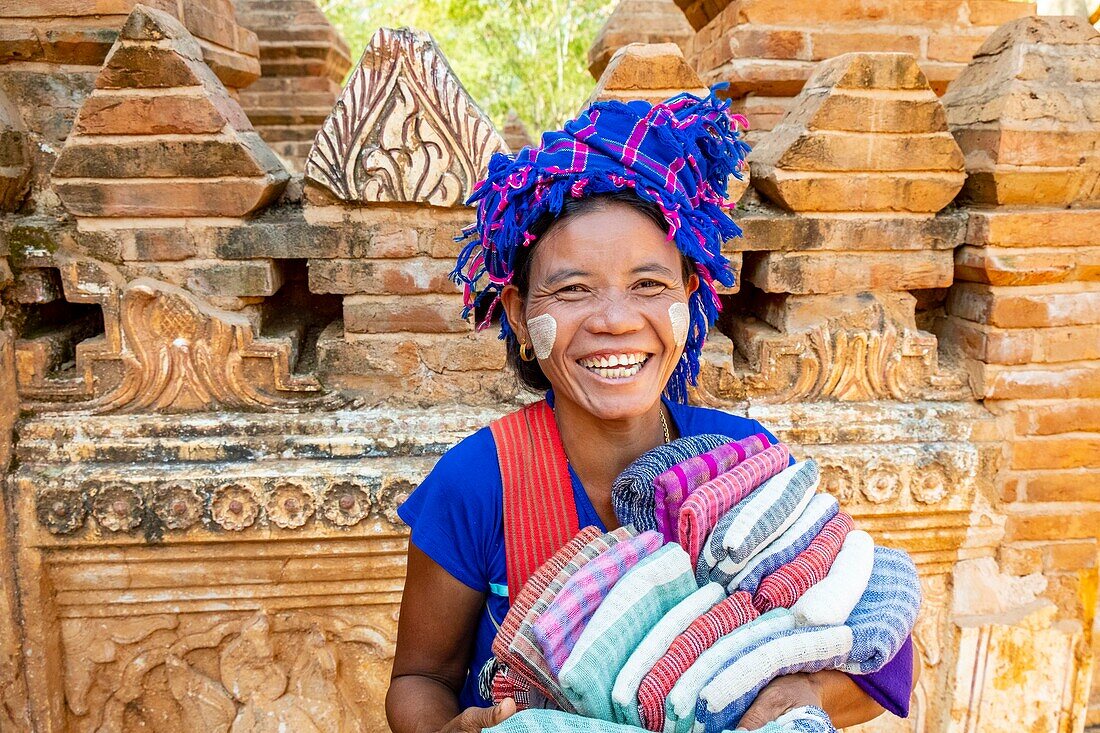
[{"x": 677, "y": 155}]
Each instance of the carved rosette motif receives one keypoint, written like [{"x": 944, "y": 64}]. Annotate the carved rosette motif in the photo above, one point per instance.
[
  {"x": 404, "y": 129},
  {"x": 886, "y": 482},
  {"x": 235, "y": 506}
]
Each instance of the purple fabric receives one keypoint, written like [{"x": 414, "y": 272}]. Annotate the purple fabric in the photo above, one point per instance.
[
  {"x": 892, "y": 686},
  {"x": 672, "y": 487}
]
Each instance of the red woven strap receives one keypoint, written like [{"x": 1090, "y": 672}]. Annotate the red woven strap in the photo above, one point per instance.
[{"x": 540, "y": 515}]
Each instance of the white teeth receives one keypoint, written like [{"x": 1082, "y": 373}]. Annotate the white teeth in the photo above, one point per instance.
[
  {"x": 613, "y": 360},
  {"x": 616, "y": 366}
]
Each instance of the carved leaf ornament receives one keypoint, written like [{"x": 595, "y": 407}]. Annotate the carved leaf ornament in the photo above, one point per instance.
[{"x": 404, "y": 128}]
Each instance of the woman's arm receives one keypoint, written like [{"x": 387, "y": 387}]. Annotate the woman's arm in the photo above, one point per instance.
[
  {"x": 435, "y": 635},
  {"x": 832, "y": 691}
]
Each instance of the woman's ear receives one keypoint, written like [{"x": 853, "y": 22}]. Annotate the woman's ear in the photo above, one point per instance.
[
  {"x": 515, "y": 308},
  {"x": 692, "y": 284}
]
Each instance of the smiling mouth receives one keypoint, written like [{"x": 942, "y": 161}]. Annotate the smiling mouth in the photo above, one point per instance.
[{"x": 615, "y": 366}]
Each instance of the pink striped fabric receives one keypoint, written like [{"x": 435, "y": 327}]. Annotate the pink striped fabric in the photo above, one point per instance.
[
  {"x": 562, "y": 623},
  {"x": 672, "y": 487},
  {"x": 710, "y": 501},
  {"x": 732, "y": 612},
  {"x": 787, "y": 584}
]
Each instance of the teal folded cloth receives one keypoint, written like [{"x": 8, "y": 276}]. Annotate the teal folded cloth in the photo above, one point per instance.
[
  {"x": 624, "y": 695},
  {"x": 729, "y": 694},
  {"x": 800, "y": 720},
  {"x": 627, "y": 613},
  {"x": 681, "y": 700},
  {"x": 755, "y": 521}
]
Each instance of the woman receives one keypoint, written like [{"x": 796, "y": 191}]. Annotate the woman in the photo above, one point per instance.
[{"x": 602, "y": 246}]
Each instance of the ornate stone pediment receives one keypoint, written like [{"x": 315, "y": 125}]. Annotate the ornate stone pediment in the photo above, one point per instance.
[
  {"x": 164, "y": 350},
  {"x": 404, "y": 129}
]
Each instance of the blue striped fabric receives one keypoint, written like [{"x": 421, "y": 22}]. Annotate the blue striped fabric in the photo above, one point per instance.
[
  {"x": 632, "y": 494},
  {"x": 728, "y": 695},
  {"x": 886, "y": 613},
  {"x": 755, "y": 521},
  {"x": 797, "y": 538},
  {"x": 800, "y": 720}
]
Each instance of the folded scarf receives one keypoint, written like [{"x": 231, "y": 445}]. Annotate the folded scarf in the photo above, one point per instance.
[
  {"x": 787, "y": 584},
  {"x": 681, "y": 700},
  {"x": 800, "y": 720},
  {"x": 729, "y": 694},
  {"x": 559, "y": 627},
  {"x": 631, "y": 608},
  {"x": 632, "y": 492},
  {"x": 701, "y": 510},
  {"x": 734, "y": 611},
  {"x": 672, "y": 487},
  {"x": 508, "y": 683},
  {"x": 788, "y": 545},
  {"x": 885, "y": 614},
  {"x": 831, "y": 601},
  {"x": 756, "y": 521},
  {"x": 624, "y": 695},
  {"x": 515, "y": 645}
]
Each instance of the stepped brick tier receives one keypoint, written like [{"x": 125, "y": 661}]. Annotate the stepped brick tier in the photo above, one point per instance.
[
  {"x": 637, "y": 21},
  {"x": 303, "y": 59},
  {"x": 767, "y": 49},
  {"x": 219, "y": 379}
]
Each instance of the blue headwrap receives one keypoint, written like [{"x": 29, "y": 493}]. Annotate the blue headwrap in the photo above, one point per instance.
[{"x": 677, "y": 155}]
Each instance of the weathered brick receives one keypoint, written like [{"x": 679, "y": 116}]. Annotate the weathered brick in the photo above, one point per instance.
[
  {"x": 791, "y": 272},
  {"x": 1078, "y": 451},
  {"x": 167, "y": 114},
  {"x": 1071, "y": 555},
  {"x": 826, "y": 44},
  {"x": 924, "y": 192},
  {"x": 1001, "y": 266},
  {"x": 1076, "y": 485},
  {"x": 780, "y": 231},
  {"x": 769, "y": 44},
  {"x": 1051, "y": 149},
  {"x": 381, "y": 277},
  {"x": 168, "y": 244},
  {"x": 950, "y": 47},
  {"x": 1021, "y": 345},
  {"x": 1024, "y": 307},
  {"x": 851, "y": 151},
  {"x": 887, "y": 113},
  {"x": 246, "y": 156},
  {"x": 404, "y": 313},
  {"x": 252, "y": 278},
  {"x": 148, "y": 67},
  {"x": 1020, "y": 559},
  {"x": 1036, "y": 526},
  {"x": 1058, "y": 417},
  {"x": 1041, "y": 228},
  {"x": 171, "y": 198},
  {"x": 1037, "y": 381},
  {"x": 997, "y": 12}
]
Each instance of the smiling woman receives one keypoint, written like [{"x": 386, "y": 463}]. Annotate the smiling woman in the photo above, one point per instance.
[{"x": 602, "y": 246}]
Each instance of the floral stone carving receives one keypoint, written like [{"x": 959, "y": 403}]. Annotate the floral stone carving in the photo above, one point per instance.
[{"x": 404, "y": 129}]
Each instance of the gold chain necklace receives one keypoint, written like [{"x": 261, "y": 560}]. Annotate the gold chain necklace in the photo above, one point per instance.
[{"x": 664, "y": 425}]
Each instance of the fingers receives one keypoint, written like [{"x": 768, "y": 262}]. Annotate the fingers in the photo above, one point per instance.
[{"x": 474, "y": 720}]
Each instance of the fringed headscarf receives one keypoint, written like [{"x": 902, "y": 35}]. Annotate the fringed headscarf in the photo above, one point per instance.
[{"x": 677, "y": 155}]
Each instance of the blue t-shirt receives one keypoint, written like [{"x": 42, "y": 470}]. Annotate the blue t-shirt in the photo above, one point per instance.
[{"x": 457, "y": 519}]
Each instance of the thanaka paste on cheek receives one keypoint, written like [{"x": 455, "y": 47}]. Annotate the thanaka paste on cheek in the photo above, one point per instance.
[
  {"x": 679, "y": 315},
  {"x": 543, "y": 330}
]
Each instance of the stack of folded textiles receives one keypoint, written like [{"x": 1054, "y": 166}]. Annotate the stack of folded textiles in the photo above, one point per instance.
[{"x": 729, "y": 571}]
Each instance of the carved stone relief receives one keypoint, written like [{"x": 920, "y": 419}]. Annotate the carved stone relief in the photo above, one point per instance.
[
  {"x": 404, "y": 129},
  {"x": 164, "y": 350},
  {"x": 307, "y": 672}
]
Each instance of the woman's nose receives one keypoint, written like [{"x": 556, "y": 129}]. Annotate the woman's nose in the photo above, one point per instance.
[{"x": 616, "y": 314}]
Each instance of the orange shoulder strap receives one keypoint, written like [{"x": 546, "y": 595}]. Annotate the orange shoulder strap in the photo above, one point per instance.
[{"x": 540, "y": 515}]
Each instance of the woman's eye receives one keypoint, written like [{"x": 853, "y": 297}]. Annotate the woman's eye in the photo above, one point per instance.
[{"x": 651, "y": 285}]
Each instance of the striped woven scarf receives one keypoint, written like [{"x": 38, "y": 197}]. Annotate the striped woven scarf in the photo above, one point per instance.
[
  {"x": 886, "y": 613},
  {"x": 787, "y": 584}
]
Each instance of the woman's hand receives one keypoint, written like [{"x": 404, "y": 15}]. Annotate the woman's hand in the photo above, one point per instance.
[
  {"x": 473, "y": 720},
  {"x": 781, "y": 695}
]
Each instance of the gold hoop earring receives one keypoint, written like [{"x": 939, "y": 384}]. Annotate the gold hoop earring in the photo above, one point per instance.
[{"x": 524, "y": 353}]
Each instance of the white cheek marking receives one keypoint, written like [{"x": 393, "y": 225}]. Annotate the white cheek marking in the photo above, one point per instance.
[
  {"x": 680, "y": 317},
  {"x": 543, "y": 330}
]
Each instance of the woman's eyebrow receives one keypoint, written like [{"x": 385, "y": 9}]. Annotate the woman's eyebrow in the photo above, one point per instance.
[
  {"x": 557, "y": 277},
  {"x": 652, "y": 268}
]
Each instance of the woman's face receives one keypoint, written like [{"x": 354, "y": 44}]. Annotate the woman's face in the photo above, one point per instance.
[{"x": 614, "y": 286}]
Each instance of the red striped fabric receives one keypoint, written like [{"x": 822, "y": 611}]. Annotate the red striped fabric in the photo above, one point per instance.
[
  {"x": 540, "y": 516},
  {"x": 787, "y": 584},
  {"x": 734, "y": 611}
]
